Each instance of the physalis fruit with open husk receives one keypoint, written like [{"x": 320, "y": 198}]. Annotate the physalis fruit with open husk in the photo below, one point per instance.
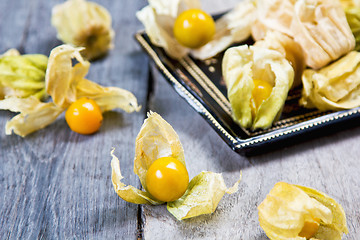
[
  {"x": 160, "y": 164},
  {"x": 84, "y": 24},
  {"x": 178, "y": 27},
  {"x": 65, "y": 84},
  {"x": 297, "y": 212},
  {"x": 258, "y": 81}
]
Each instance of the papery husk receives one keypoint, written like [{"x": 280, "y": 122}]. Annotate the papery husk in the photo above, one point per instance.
[
  {"x": 127, "y": 192},
  {"x": 323, "y": 31},
  {"x": 62, "y": 76},
  {"x": 159, "y": 18},
  {"x": 334, "y": 87},
  {"x": 233, "y": 27},
  {"x": 353, "y": 19},
  {"x": 338, "y": 226},
  {"x": 11, "y": 52},
  {"x": 287, "y": 207},
  {"x": 202, "y": 196},
  {"x": 108, "y": 98},
  {"x": 66, "y": 83},
  {"x": 34, "y": 115},
  {"x": 158, "y": 139},
  {"x": 276, "y": 15},
  {"x": 319, "y": 26},
  {"x": 290, "y": 49},
  {"x": 84, "y": 24},
  {"x": 258, "y": 30},
  {"x": 22, "y": 75},
  {"x": 241, "y": 65},
  {"x": 350, "y": 3}
]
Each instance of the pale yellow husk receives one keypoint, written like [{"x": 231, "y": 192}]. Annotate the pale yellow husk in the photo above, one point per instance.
[
  {"x": 334, "y": 87},
  {"x": 350, "y": 3},
  {"x": 84, "y": 24},
  {"x": 22, "y": 75},
  {"x": 33, "y": 114},
  {"x": 66, "y": 83},
  {"x": 158, "y": 139},
  {"x": 287, "y": 207},
  {"x": 319, "y": 26},
  {"x": 241, "y": 65},
  {"x": 290, "y": 49}
]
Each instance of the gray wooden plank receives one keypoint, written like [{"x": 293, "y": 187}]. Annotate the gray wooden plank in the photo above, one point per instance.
[
  {"x": 56, "y": 183},
  {"x": 329, "y": 164}
]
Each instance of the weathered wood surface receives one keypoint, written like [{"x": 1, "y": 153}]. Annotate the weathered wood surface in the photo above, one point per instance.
[{"x": 57, "y": 184}]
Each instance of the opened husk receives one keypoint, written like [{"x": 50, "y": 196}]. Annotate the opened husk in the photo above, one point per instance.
[
  {"x": 241, "y": 65},
  {"x": 66, "y": 83},
  {"x": 158, "y": 139},
  {"x": 287, "y": 208}
]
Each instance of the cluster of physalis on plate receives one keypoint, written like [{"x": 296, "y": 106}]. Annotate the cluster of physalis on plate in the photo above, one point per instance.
[
  {"x": 26, "y": 81},
  {"x": 305, "y": 42},
  {"x": 160, "y": 164}
]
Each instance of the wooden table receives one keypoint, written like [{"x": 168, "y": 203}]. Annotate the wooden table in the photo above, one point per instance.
[{"x": 56, "y": 184}]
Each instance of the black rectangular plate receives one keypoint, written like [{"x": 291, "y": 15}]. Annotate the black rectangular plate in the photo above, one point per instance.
[{"x": 200, "y": 83}]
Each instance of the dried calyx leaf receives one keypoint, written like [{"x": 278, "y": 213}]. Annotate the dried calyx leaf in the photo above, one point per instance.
[
  {"x": 65, "y": 84},
  {"x": 241, "y": 67},
  {"x": 33, "y": 114},
  {"x": 158, "y": 139},
  {"x": 84, "y": 24},
  {"x": 159, "y": 18},
  {"x": 296, "y": 212},
  {"x": 22, "y": 75},
  {"x": 202, "y": 196},
  {"x": 334, "y": 87}
]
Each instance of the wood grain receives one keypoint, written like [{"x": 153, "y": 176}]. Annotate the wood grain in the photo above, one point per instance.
[{"x": 56, "y": 184}]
